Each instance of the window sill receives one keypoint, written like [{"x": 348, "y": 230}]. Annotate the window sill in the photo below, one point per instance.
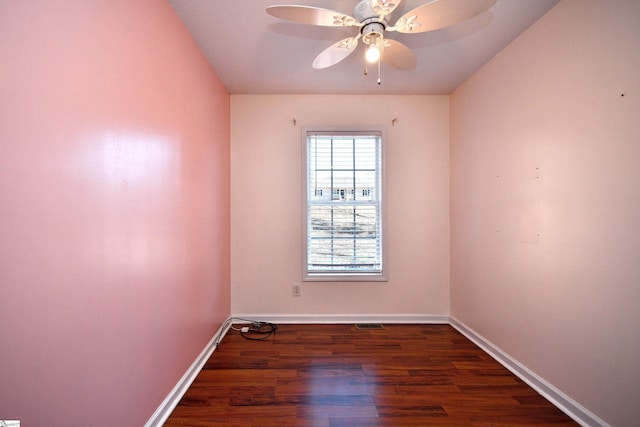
[{"x": 345, "y": 278}]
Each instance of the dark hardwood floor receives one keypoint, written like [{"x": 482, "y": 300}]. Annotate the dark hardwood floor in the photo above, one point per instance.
[{"x": 337, "y": 375}]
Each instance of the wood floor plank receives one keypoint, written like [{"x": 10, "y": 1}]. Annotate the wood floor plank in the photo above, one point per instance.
[{"x": 337, "y": 375}]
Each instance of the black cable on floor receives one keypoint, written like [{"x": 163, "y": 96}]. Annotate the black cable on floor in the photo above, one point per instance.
[{"x": 259, "y": 331}]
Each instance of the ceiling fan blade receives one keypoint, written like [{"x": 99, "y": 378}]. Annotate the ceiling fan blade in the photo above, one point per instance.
[
  {"x": 312, "y": 16},
  {"x": 384, "y": 7},
  {"x": 336, "y": 52},
  {"x": 438, "y": 14},
  {"x": 398, "y": 55}
]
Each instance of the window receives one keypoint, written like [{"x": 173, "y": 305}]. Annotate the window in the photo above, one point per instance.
[{"x": 344, "y": 206}]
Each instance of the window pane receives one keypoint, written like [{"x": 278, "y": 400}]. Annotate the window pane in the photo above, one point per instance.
[
  {"x": 365, "y": 185},
  {"x": 320, "y": 185},
  {"x": 365, "y": 154},
  {"x": 343, "y": 154},
  {"x": 343, "y": 237}
]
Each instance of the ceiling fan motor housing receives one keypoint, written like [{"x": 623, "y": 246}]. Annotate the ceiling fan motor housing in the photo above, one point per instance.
[
  {"x": 364, "y": 11},
  {"x": 373, "y": 26}
]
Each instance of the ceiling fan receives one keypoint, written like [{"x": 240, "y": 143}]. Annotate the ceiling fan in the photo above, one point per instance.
[{"x": 372, "y": 18}]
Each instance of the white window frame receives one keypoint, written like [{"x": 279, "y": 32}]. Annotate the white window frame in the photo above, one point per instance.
[{"x": 354, "y": 276}]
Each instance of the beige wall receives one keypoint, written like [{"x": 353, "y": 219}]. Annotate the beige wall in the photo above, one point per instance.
[
  {"x": 545, "y": 196},
  {"x": 266, "y": 193}
]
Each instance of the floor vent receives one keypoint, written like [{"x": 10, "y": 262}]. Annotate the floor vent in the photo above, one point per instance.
[{"x": 369, "y": 326}]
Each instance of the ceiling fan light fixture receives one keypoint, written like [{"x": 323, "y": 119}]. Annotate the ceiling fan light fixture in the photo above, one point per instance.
[
  {"x": 372, "y": 38},
  {"x": 373, "y": 53}
]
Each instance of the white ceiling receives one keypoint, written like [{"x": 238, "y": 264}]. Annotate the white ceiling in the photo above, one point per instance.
[{"x": 255, "y": 53}]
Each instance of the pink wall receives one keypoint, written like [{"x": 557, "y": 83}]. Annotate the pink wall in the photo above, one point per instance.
[
  {"x": 545, "y": 199},
  {"x": 114, "y": 209}
]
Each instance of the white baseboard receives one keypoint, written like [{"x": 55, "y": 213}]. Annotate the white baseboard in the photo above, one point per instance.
[
  {"x": 567, "y": 405},
  {"x": 352, "y": 318},
  {"x": 173, "y": 398}
]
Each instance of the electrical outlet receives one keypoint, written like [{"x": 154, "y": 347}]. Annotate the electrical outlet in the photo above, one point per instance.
[{"x": 295, "y": 290}]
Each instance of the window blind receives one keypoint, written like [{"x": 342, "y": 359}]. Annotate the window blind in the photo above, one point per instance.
[{"x": 344, "y": 203}]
